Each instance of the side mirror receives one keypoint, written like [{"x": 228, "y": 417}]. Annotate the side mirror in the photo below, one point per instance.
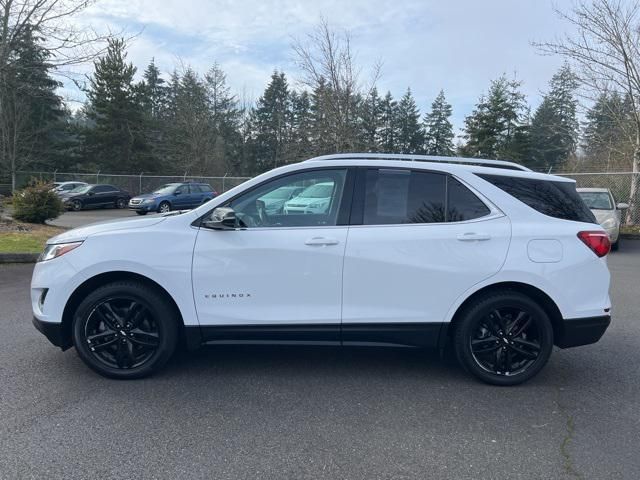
[
  {"x": 622, "y": 206},
  {"x": 177, "y": 192},
  {"x": 222, "y": 218},
  {"x": 91, "y": 193}
]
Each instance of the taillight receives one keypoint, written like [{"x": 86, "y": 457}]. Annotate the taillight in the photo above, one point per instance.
[{"x": 598, "y": 242}]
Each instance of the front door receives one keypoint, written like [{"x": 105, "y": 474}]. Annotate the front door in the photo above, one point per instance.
[
  {"x": 422, "y": 239},
  {"x": 280, "y": 276}
]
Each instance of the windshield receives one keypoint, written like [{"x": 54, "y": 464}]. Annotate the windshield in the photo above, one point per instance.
[
  {"x": 319, "y": 190},
  {"x": 81, "y": 189},
  {"x": 597, "y": 200},
  {"x": 165, "y": 189}
]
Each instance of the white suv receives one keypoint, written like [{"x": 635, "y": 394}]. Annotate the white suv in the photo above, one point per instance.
[{"x": 486, "y": 256}]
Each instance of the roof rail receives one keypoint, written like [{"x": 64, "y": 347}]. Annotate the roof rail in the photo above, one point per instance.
[{"x": 422, "y": 158}]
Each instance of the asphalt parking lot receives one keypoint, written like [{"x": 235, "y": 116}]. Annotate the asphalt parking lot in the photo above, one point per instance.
[
  {"x": 240, "y": 412},
  {"x": 84, "y": 217}
]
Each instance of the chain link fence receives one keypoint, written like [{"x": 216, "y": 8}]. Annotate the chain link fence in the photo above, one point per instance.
[
  {"x": 618, "y": 183},
  {"x": 134, "y": 184},
  {"x": 620, "y": 186}
]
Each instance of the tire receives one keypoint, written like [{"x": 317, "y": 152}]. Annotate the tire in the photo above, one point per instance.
[
  {"x": 615, "y": 246},
  {"x": 141, "y": 212},
  {"x": 488, "y": 344},
  {"x": 76, "y": 205},
  {"x": 121, "y": 203},
  {"x": 118, "y": 340},
  {"x": 164, "y": 207}
]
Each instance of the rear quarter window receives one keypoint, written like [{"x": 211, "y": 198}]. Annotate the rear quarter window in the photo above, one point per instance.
[{"x": 555, "y": 199}]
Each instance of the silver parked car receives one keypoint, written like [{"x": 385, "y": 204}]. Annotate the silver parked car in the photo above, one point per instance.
[{"x": 608, "y": 214}]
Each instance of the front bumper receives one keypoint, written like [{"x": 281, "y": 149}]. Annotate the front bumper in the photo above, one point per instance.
[
  {"x": 143, "y": 207},
  {"x": 54, "y": 332},
  {"x": 582, "y": 331}
]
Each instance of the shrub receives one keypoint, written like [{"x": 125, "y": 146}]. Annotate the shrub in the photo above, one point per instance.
[{"x": 36, "y": 203}]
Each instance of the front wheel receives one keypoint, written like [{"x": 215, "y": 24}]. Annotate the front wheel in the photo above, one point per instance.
[
  {"x": 504, "y": 338},
  {"x": 164, "y": 207},
  {"x": 125, "y": 330},
  {"x": 141, "y": 212},
  {"x": 76, "y": 205}
]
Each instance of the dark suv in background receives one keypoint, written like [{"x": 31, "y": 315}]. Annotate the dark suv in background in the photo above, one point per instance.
[
  {"x": 95, "y": 196},
  {"x": 173, "y": 196}
]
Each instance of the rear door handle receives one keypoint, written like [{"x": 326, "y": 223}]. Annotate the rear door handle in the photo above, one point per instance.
[
  {"x": 319, "y": 241},
  {"x": 473, "y": 237}
]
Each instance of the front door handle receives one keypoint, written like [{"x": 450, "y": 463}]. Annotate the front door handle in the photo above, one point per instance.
[
  {"x": 320, "y": 241},
  {"x": 473, "y": 237}
]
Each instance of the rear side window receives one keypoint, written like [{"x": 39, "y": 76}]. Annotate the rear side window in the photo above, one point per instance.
[
  {"x": 397, "y": 196},
  {"x": 555, "y": 199},
  {"x": 205, "y": 188}
]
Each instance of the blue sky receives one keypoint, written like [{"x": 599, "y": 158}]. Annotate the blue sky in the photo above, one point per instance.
[{"x": 455, "y": 45}]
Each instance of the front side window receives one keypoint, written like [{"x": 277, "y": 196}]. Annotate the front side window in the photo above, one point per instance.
[
  {"x": 397, "y": 196},
  {"x": 307, "y": 199}
]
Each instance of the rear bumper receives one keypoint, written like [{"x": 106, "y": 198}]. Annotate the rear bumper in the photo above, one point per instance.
[
  {"x": 54, "y": 333},
  {"x": 582, "y": 331}
]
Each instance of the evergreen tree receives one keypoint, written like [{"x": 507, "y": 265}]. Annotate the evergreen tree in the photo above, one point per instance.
[
  {"x": 301, "y": 127},
  {"x": 322, "y": 127},
  {"x": 154, "y": 92},
  {"x": 606, "y": 142},
  {"x": 498, "y": 126},
  {"x": 116, "y": 142},
  {"x": 554, "y": 127},
  {"x": 389, "y": 130},
  {"x": 32, "y": 118},
  {"x": 370, "y": 121},
  {"x": 410, "y": 137},
  {"x": 438, "y": 128},
  {"x": 270, "y": 124},
  {"x": 225, "y": 118}
]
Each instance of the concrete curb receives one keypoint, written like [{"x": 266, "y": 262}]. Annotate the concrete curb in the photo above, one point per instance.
[
  {"x": 630, "y": 236},
  {"x": 18, "y": 257}
]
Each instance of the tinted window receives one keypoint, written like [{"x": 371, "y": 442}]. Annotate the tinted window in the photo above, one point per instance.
[
  {"x": 462, "y": 204},
  {"x": 205, "y": 188},
  {"x": 555, "y": 199},
  {"x": 103, "y": 188},
  {"x": 314, "y": 201},
  {"x": 396, "y": 196},
  {"x": 182, "y": 190}
]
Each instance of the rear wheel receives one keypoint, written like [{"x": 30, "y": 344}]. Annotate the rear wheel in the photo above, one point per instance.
[
  {"x": 615, "y": 246},
  {"x": 164, "y": 207},
  {"x": 125, "y": 330},
  {"x": 121, "y": 203},
  {"x": 504, "y": 339}
]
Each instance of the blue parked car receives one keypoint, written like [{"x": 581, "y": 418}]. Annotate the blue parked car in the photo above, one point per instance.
[{"x": 173, "y": 196}]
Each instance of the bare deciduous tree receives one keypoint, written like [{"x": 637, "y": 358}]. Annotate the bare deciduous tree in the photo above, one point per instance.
[
  {"x": 605, "y": 48},
  {"x": 328, "y": 64},
  {"x": 65, "y": 44}
]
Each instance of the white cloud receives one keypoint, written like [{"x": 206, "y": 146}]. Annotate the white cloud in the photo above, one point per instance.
[{"x": 458, "y": 45}]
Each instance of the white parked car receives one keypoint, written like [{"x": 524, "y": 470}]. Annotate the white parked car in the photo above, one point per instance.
[
  {"x": 496, "y": 261},
  {"x": 65, "y": 187},
  {"x": 606, "y": 211},
  {"x": 313, "y": 199}
]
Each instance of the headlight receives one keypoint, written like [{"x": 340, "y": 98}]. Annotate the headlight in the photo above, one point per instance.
[
  {"x": 148, "y": 200},
  {"x": 57, "y": 250},
  {"x": 317, "y": 205},
  {"x": 609, "y": 223}
]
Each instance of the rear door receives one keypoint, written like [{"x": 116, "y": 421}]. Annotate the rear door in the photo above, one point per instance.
[{"x": 418, "y": 241}]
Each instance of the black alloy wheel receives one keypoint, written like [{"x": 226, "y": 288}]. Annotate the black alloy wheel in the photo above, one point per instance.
[
  {"x": 504, "y": 339},
  {"x": 121, "y": 333},
  {"x": 125, "y": 329},
  {"x": 121, "y": 203},
  {"x": 76, "y": 205}
]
